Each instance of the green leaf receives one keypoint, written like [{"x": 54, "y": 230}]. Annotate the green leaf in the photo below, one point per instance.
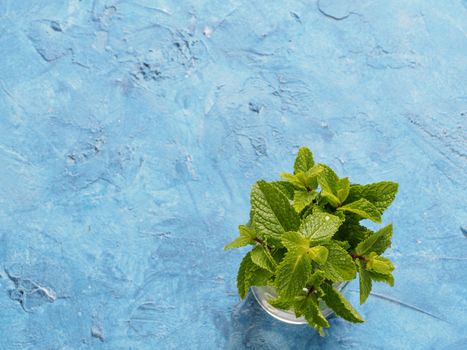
[
  {"x": 242, "y": 276},
  {"x": 313, "y": 172},
  {"x": 281, "y": 303},
  {"x": 296, "y": 181},
  {"x": 238, "y": 242},
  {"x": 351, "y": 231},
  {"x": 310, "y": 177},
  {"x": 249, "y": 275},
  {"x": 343, "y": 244},
  {"x": 319, "y": 226},
  {"x": 304, "y": 160},
  {"x": 261, "y": 257},
  {"x": 293, "y": 273},
  {"x": 297, "y": 305},
  {"x": 272, "y": 213},
  {"x": 379, "y": 264},
  {"x": 306, "y": 212},
  {"x": 293, "y": 240},
  {"x": 317, "y": 278},
  {"x": 343, "y": 187},
  {"x": 340, "y": 305},
  {"x": 381, "y": 194},
  {"x": 364, "y": 209},
  {"x": 318, "y": 254},
  {"x": 377, "y": 242},
  {"x": 365, "y": 283},
  {"x": 247, "y": 236},
  {"x": 301, "y": 199},
  {"x": 258, "y": 276},
  {"x": 331, "y": 198},
  {"x": 285, "y": 187},
  {"x": 384, "y": 240},
  {"x": 339, "y": 266},
  {"x": 303, "y": 181},
  {"x": 388, "y": 279},
  {"x": 329, "y": 181},
  {"x": 313, "y": 314}
]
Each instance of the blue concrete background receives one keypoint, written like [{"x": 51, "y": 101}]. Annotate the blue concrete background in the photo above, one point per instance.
[{"x": 131, "y": 132}]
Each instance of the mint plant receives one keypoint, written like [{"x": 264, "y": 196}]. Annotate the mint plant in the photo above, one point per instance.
[{"x": 306, "y": 236}]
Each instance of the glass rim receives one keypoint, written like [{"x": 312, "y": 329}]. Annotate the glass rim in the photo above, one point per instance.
[{"x": 263, "y": 293}]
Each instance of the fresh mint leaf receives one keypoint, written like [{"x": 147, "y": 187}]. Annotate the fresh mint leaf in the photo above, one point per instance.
[
  {"x": 238, "y": 242},
  {"x": 305, "y": 181},
  {"x": 364, "y": 209},
  {"x": 365, "y": 283},
  {"x": 383, "y": 240},
  {"x": 327, "y": 179},
  {"x": 263, "y": 258},
  {"x": 377, "y": 242},
  {"x": 343, "y": 188},
  {"x": 343, "y": 244},
  {"x": 351, "y": 231},
  {"x": 301, "y": 199},
  {"x": 307, "y": 212},
  {"x": 304, "y": 160},
  {"x": 294, "y": 240},
  {"x": 388, "y": 279},
  {"x": 379, "y": 264},
  {"x": 319, "y": 226},
  {"x": 278, "y": 254},
  {"x": 381, "y": 194},
  {"x": 298, "y": 304},
  {"x": 249, "y": 274},
  {"x": 340, "y": 305},
  {"x": 313, "y": 314},
  {"x": 295, "y": 180},
  {"x": 310, "y": 177},
  {"x": 258, "y": 277},
  {"x": 272, "y": 213},
  {"x": 242, "y": 276},
  {"x": 293, "y": 273},
  {"x": 331, "y": 198},
  {"x": 339, "y": 266},
  {"x": 329, "y": 182},
  {"x": 281, "y": 303},
  {"x": 318, "y": 254},
  {"x": 285, "y": 187},
  {"x": 247, "y": 236},
  {"x": 316, "y": 279}
]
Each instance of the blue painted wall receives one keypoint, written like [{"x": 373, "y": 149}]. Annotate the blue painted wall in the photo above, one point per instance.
[{"x": 131, "y": 132}]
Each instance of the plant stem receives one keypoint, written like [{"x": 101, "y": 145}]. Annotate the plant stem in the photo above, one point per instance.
[
  {"x": 263, "y": 243},
  {"x": 311, "y": 290},
  {"x": 359, "y": 257}
]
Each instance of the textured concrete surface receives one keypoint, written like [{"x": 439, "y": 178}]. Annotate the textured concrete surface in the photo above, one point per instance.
[{"x": 131, "y": 132}]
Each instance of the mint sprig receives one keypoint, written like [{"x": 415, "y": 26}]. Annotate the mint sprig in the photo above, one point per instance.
[{"x": 306, "y": 235}]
